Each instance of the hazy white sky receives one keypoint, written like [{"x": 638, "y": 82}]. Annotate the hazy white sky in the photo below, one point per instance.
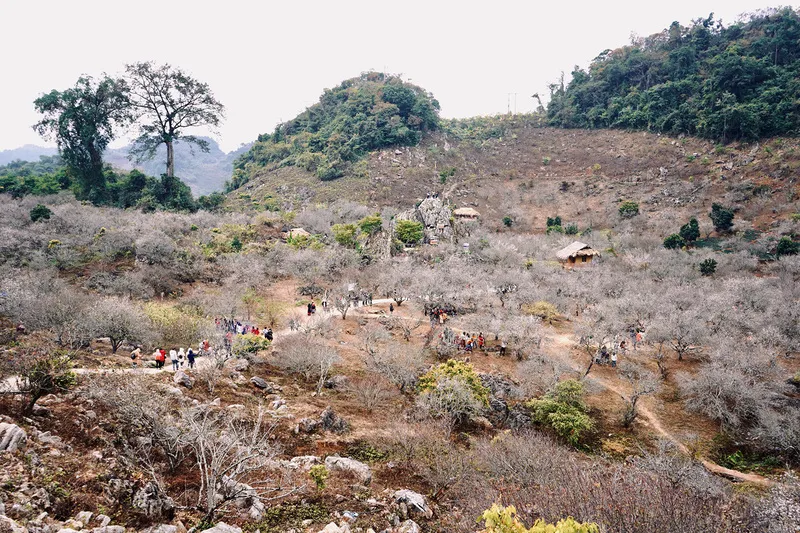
[{"x": 267, "y": 61}]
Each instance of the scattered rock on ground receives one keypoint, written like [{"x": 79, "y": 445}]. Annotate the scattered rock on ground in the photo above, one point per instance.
[
  {"x": 409, "y": 526},
  {"x": 8, "y": 525},
  {"x": 12, "y": 437},
  {"x": 414, "y": 501},
  {"x": 346, "y": 464},
  {"x": 222, "y": 527},
  {"x": 182, "y": 378},
  {"x": 152, "y": 503},
  {"x": 330, "y": 421},
  {"x": 333, "y": 528}
]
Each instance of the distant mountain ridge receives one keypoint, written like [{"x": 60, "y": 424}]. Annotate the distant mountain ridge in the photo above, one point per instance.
[{"x": 203, "y": 172}]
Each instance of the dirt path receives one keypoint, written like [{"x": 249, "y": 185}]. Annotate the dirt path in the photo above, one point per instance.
[{"x": 566, "y": 346}]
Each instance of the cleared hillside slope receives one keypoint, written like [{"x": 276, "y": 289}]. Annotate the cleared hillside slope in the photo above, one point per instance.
[{"x": 530, "y": 173}]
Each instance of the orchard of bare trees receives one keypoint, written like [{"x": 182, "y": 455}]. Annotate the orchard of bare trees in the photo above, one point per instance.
[{"x": 704, "y": 378}]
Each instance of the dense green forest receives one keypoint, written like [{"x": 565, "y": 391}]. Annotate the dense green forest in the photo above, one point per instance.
[
  {"x": 722, "y": 83},
  {"x": 49, "y": 175},
  {"x": 365, "y": 113}
]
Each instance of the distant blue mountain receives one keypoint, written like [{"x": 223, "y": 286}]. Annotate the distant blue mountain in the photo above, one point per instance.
[{"x": 203, "y": 172}]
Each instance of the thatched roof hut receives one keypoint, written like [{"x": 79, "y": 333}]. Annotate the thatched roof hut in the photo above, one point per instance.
[
  {"x": 577, "y": 253},
  {"x": 467, "y": 213}
]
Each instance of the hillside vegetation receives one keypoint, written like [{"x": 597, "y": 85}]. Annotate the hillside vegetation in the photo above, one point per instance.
[
  {"x": 362, "y": 114},
  {"x": 719, "y": 82}
]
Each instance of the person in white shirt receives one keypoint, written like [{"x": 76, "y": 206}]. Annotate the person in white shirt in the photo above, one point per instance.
[{"x": 173, "y": 356}]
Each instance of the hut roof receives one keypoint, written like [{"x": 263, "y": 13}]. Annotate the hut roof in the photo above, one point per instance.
[
  {"x": 466, "y": 212},
  {"x": 575, "y": 249}
]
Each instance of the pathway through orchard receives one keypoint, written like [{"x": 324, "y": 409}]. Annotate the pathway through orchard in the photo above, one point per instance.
[{"x": 648, "y": 417}]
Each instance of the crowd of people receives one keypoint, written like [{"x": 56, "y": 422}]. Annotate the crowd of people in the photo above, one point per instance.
[
  {"x": 178, "y": 357},
  {"x": 233, "y": 327},
  {"x": 467, "y": 342},
  {"x": 609, "y": 353}
]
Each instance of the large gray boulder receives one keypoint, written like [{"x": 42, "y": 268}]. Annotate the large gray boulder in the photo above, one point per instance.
[
  {"x": 345, "y": 464},
  {"x": 414, "y": 501},
  {"x": 150, "y": 501},
  {"x": 8, "y": 525},
  {"x": 182, "y": 378},
  {"x": 245, "y": 497},
  {"x": 333, "y": 528},
  {"x": 12, "y": 437},
  {"x": 435, "y": 217}
]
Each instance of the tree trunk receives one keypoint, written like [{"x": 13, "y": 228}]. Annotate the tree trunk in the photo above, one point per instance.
[{"x": 170, "y": 159}]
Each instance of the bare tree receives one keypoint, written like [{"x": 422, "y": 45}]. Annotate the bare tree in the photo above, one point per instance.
[
  {"x": 642, "y": 383},
  {"x": 452, "y": 402},
  {"x": 341, "y": 300},
  {"x": 299, "y": 354},
  {"x": 232, "y": 456},
  {"x": 121, "y": 321}
]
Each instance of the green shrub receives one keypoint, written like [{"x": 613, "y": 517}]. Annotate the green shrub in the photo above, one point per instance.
[
  {"x": 628, "y": 209},
  {"x": 446, "y": 173},
  {"x": 571, "y": 229},
  {"x": 409, "y": 232},
  {"x": 708, "y": 267},
  {"x": 563, "y": 410},
  {"x": 455, "y": 370},
  {"x": 690, "y": 231},
  {"x": 542, "y": 309},
  {"x": 674, "y": 242},
  {"x": 371, "y": 224},
  {"x": 722, "y": 217},
  {"x": 787, "y": 246},
  {"x": 40, "y": 212},
  {"x": 508, "y": 221},
  {"x": 249, "y": 344},
  {"x": 546, "y": 160},
  {"x": 554, "y": 221},
  {"x": 345, "y": 234},
  {"x": 236, "y": 244},
  {"x": 319, "y": 474},
  {"x": 504, "y": 520}
]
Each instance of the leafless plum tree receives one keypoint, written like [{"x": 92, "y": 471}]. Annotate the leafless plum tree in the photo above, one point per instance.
[{"x": 641, "y": 383}]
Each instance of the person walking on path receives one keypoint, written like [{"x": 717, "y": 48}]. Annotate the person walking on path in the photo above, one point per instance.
[
  {"x": 173, "y": 356},
  {"x": 613, "y": 359},
  {"x": 503, "y": 347},
  {"x": 190, "y": 357},
  {"x": 391, "y": 308},
  {"x": 158, "y": 355},
  {"x": 135, "y": 357}
]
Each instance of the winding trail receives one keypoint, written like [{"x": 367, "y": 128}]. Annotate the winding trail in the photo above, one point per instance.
[{"x": 648, "y": 417}]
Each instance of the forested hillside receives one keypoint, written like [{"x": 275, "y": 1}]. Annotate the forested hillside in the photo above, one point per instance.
[
  {"x": 365, "y": 113},
  {"x": 718, "y": 82}
]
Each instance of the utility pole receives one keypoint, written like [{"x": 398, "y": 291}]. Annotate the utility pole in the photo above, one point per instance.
[{"x": 515, "y": 103}]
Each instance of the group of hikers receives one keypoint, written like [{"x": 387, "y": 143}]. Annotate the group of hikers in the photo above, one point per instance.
[
  {"x": 467, "y": 342},
  {"x": 235, "y": 327},
  {"x": 610, "y": 354},
  {"x": 179, "y": 357}
]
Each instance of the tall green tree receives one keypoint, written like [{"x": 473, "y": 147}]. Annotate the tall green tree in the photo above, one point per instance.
[
  {"x": 168, "y": 102},
  {"x": 83, "y": 121}
]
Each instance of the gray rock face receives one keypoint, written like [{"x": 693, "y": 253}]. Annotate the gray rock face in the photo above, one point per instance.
[
  {"x": 182, "y": 378},
  {"x": 152, "y": 503},
  {"x": 415, "y": 502},
  {"x": 345, "y": 464},
  {"x": 8, "y": 525},
  {"x": 118, "y": 490},
  {"x": 222, "y": 527},
  {"x": 434, "y": 216},
  {"x": 12, "y": 437}
]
